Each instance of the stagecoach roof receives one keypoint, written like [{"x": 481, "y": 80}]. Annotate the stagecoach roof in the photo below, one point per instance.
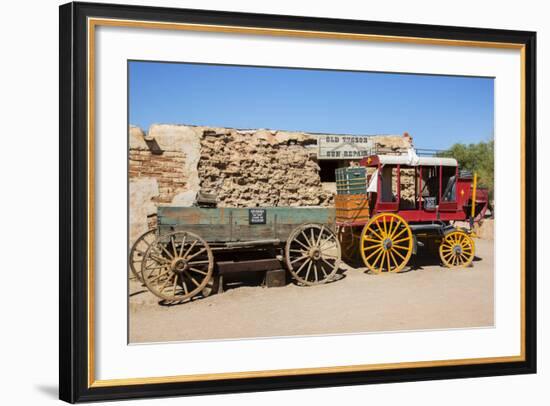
[{"x": 411, "y": 160}]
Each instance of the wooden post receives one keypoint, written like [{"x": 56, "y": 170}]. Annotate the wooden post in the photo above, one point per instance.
[
  {"x": 474, "y": 196},
  {"x": 420, "y": 190},
  {"x": 398, "y": 186}
]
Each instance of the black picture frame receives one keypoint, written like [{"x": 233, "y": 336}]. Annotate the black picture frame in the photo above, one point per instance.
[{"x": 74, "y": 385}]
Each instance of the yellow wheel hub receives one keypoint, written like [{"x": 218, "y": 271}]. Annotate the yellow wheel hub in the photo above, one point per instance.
[
  {"x": 457, "y": 249},
  {"x": 386, "y": 243}
]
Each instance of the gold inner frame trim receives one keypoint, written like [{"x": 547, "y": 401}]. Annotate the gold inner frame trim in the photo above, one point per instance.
[{"x": 94, "y": 22}]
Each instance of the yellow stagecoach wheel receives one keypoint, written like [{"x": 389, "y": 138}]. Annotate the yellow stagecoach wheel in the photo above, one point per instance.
[
  {"x": 386, "y": 243},
  {"x": 457, "y": 249}
]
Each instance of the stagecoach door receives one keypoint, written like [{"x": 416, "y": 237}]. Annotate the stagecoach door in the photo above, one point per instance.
[{"x": 389, "y": 188}]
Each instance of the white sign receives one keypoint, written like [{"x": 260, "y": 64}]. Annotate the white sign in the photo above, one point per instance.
[{"x": 344, "y": 146}]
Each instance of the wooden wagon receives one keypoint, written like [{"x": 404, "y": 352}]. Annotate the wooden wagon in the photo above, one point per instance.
[{"x": 192, "y": 246}]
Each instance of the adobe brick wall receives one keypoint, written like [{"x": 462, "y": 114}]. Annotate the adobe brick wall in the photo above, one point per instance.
[{"x": 167, "y": 169}]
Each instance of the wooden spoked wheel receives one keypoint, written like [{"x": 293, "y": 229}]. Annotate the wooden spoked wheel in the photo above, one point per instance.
[
  {"x": 349, "y": 242},
  {"x": 312, "y": 254},
  {"x": 386, "y": 243},
  {"x": 177, "y": 266},
  {"x": 138, "y": 250},
  {"x": 457, "y": 249}
]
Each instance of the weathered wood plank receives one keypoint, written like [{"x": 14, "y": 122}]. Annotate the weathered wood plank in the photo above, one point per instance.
[{"x": 235, "y": 224}]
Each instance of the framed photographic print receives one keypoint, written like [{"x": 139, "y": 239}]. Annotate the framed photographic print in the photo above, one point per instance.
[{"x": 257, "y": 202}]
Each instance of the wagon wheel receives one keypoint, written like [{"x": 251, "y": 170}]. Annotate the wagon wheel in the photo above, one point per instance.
[
  {"x": 177, "y": 266},
  {"x": 137, "y": 252},
  {"x": 312, "y": 254},
  {"x": 457, "y": 249},
  {"x": 349, "y": 241},
  {"x": 386, "y": 243}
]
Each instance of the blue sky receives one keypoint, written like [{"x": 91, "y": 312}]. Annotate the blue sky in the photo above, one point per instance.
[{"x": 436, "y": 110}]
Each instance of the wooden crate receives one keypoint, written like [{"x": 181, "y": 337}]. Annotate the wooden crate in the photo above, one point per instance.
[
  {"x": 352, "y": 208},
  {"x": 351, "y": 180}
]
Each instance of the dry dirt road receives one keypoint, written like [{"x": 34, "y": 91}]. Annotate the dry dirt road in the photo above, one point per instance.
[{"x": 424, "y": 296}]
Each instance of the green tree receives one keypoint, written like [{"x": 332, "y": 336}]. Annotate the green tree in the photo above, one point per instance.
[{"x": 479, "y": 158}]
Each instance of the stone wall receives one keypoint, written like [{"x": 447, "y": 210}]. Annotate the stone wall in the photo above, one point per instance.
[{"x": 261, "y": 168}]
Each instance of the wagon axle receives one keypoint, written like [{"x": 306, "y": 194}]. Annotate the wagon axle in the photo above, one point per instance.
[
  {"x": 315, "y": 253},
  {"x": 180, "y": 265}
]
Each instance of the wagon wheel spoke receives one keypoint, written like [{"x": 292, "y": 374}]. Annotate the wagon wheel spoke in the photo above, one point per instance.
[
  {"x": 196, "y": 253},
  {"x": 390, "y": 227},
  {"x": 395, "y": 261},
  {"x": 371, "y": 247},
  {"x": 191, "y": 278},
  {"x": 386, "y": 243},
  {"x": 183, "y": 288},
  {"x": 399, "y": 254},
  {"x": 320, "y": 235},
  {"x": 156, "y": 278},
  {"x": 295, "y": 250},
  {"x": 381, "y": 269},
  {"x": 176, "y": 277},
  {"x": 166, "y": 281},
  {"x": 304, "y": 260},
  {"x": 325, "y": 275},
  {"x": 378, "y": 257},
  {"x": 382, "y": 233},
  {"x": 163, "y": 248},
  {"x": 374, "y": 253},
  {"x": 182, "y": 244},
  {"x": 315, "y": 272},
  {"x": 310, "y": 243},
  {"x": 159, "y": 259},
  {"x": 376, "y": 234},
  {"x": 302, "y": 266},
  {"x": 308, "y": 270},
  {"x": 299, "y": 259},
  {"x": 203, "y": 262},
  {"x": 326, "y": 262},
  {"x": 198, "y": 271},
  {"x": 189, "y": 249},
  {"x": 303, "y": 245}
]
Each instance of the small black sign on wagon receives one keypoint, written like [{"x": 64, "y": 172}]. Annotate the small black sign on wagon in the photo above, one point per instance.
[{"x": 256, "y": 216}]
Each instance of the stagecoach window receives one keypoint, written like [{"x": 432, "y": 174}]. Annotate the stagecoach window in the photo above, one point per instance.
[
  {"x": 430, "y": 181},
  {"x": 449, "y": 184}
]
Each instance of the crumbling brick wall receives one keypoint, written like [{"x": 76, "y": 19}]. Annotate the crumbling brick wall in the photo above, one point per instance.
[
  {"x": 166, "y": 168},
  {"x": 169, "y": 176}
]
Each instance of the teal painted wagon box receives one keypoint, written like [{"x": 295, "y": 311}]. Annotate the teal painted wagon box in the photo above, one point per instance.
[{"x": 226, "y": 225}]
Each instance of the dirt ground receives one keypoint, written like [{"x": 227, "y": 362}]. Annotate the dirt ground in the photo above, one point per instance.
[{"x": 423, "y": 296}]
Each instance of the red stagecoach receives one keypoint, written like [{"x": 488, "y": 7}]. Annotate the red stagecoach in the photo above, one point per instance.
[{"x": 390, "y": 204}]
